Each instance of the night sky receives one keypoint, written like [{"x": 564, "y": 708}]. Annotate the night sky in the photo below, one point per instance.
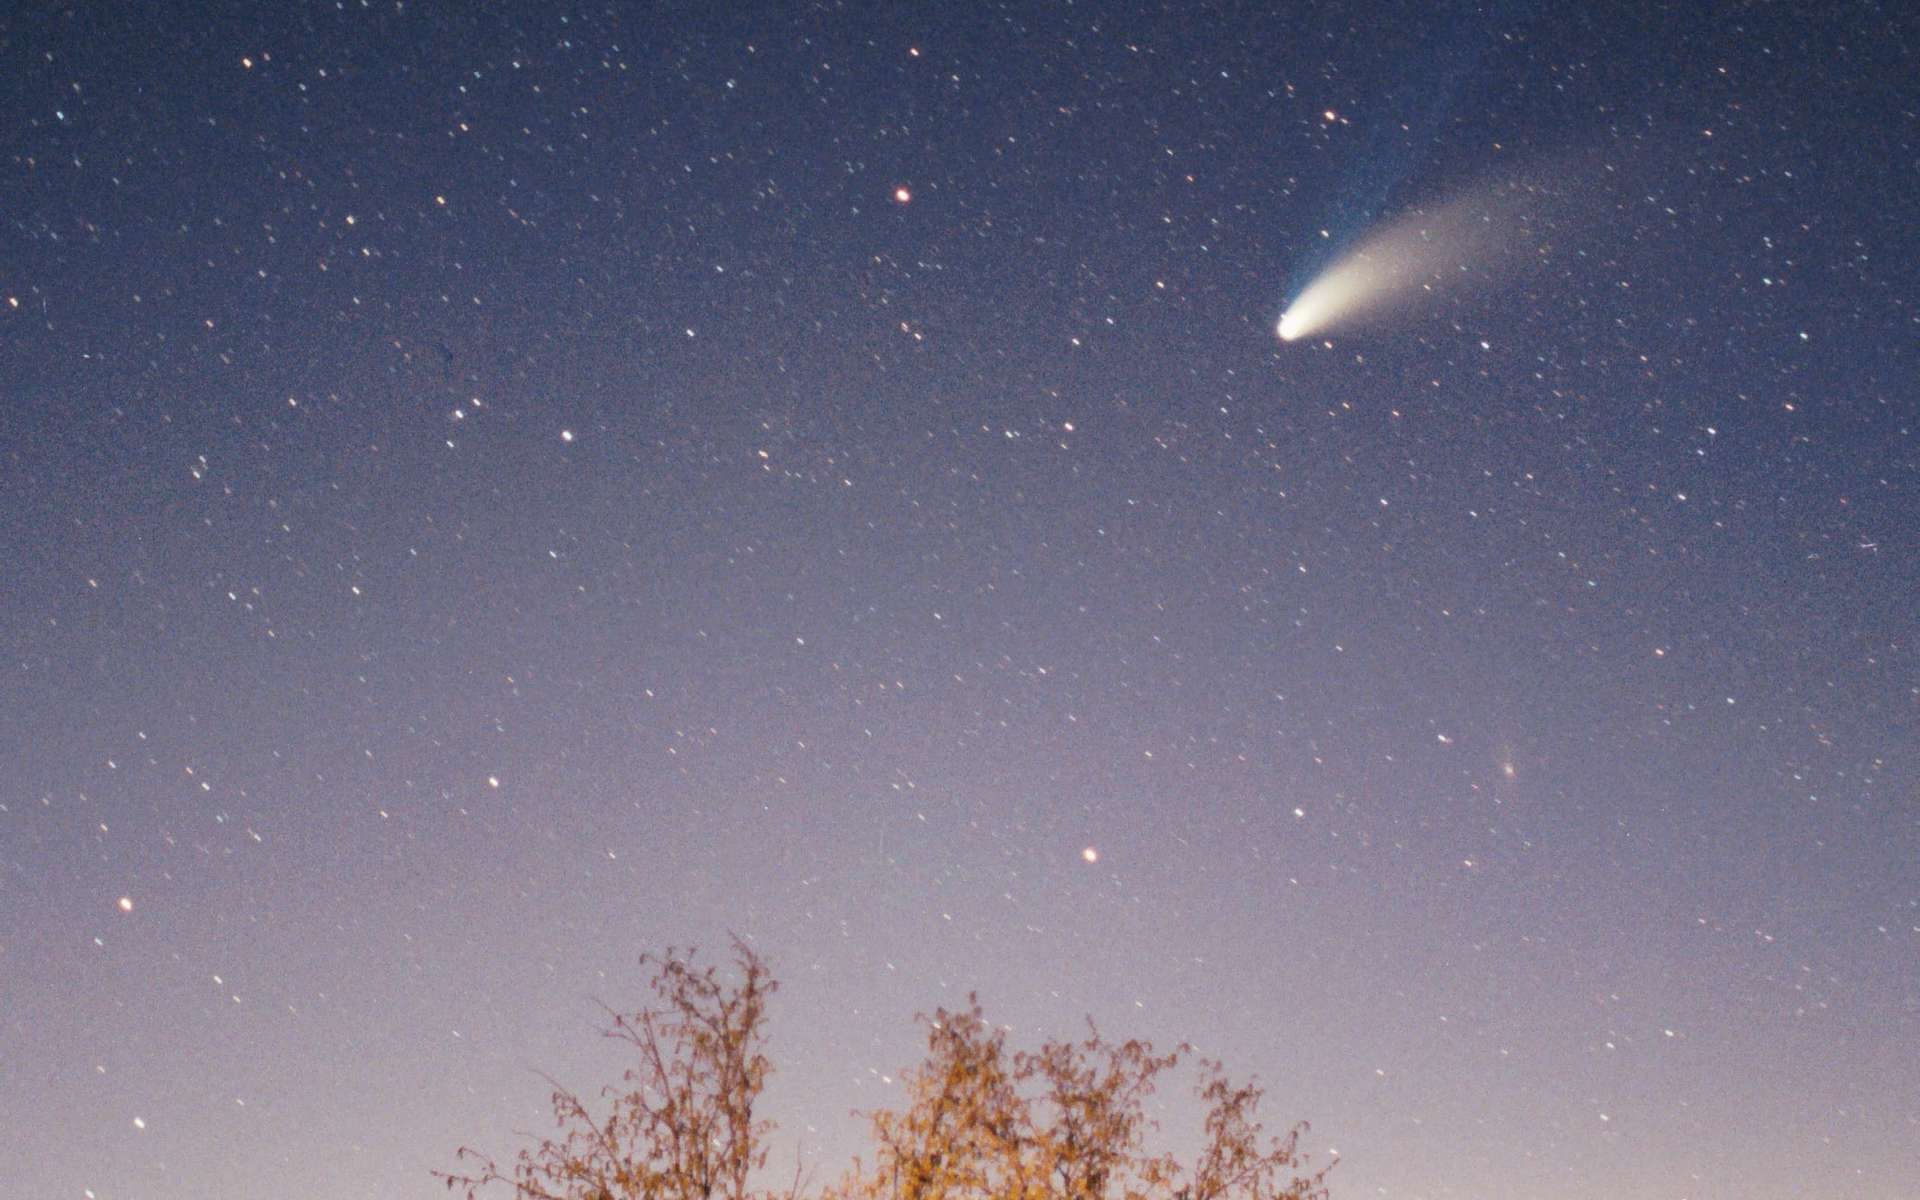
[{"x": 486, "y": 496}]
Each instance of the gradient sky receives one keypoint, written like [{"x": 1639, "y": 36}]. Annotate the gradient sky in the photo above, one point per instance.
[{"x": 489, "y": 495}]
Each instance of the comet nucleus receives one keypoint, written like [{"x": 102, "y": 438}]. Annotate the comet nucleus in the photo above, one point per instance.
[{"x": 1294, "y": 323}]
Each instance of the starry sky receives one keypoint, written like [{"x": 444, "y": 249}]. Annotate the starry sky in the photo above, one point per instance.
[{"x": 490, "y": 494}]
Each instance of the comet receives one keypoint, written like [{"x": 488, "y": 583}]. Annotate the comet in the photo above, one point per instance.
[
  {"x": 1474, "y": 239},
  {"x": 1365, "y": 279}
]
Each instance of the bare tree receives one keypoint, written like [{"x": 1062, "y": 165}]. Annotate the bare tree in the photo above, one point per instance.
[
  {"x": 680, "y": 1125},
  {"x": 1065, "y": 1122},
  {"x": 1236, "y": 1163},
  {"x": 961, "y": 1134},
  {"x": 1089, "y": 1121},
  {"x": 980, "y": 1122}
]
